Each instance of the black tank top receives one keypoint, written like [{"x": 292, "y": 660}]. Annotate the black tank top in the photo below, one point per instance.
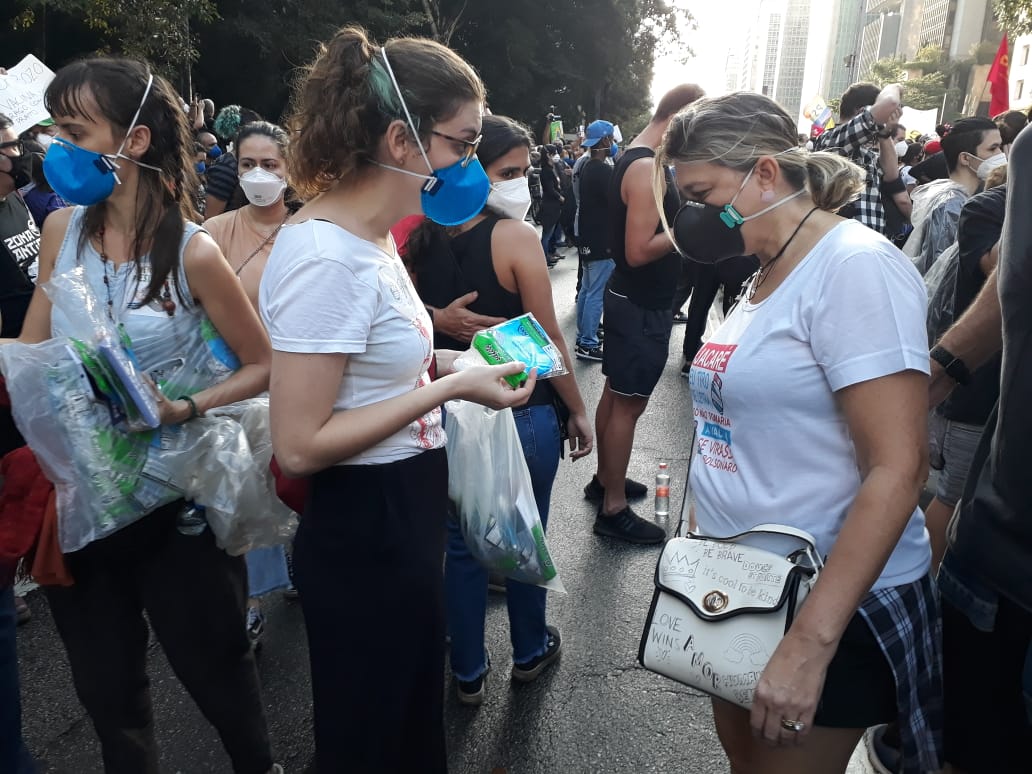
[
  {"x": 453, "y": 267},
  {"x": 653, "y": 285}
]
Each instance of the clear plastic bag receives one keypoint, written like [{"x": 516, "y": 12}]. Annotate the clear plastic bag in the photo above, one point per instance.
[
  {"x": 941, "y": 282},
  {"x": 490, "y": 486}
]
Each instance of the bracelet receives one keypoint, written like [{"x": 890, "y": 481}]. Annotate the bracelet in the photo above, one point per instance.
[
  {"x": 954, "y": 367},
  {"x": 194, "y": 413}
]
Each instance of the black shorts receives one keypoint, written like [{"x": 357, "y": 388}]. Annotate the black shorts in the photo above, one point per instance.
[
  {"x": 987, "y": 728},
  {"x": 860, "y": 688},
  {"x": 637, "y": 344}
]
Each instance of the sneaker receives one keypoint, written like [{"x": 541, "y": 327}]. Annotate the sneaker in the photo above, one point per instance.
[
  {"x": 600, "y": 334},
  {"x": 290, "y": 592},
  {"x": 496, "y": 582},
  {"x": 633, "y": 490},
  {"x": 884, "y": 758},
  {"x": 255, "y": 627},
  {"x": 531, "y": 670},
  {"x": 551, "y": 262},
  {"x": 686, "y": 370},
  {"x": 629, "y": 526},
  {"x": 471, "y": 692},
  {"x": 588, "y": 353},
  {"x": 22, "y": 613},
  {"x": 680, "y": 318}
]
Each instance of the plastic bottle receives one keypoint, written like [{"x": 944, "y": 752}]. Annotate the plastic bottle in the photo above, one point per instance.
[
  {"x": 191, "y": 521},
  {"x": 662, "y": 492}
]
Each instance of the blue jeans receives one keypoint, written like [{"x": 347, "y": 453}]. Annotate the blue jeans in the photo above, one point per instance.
[
  {"x": 594, "y": 279},
  {"x": 14, "y": 755},
  {"x": 266, "y": 570},
  {"x": 465, "y": 579}
]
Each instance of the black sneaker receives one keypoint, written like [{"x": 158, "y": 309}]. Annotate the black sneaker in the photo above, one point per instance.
[
  {"x": 686, "y": 370},
  {"x": 633, "y": 490},
  {"x": 629, "y": 526},
  {"x": 471, "y": 692},
  {"x": 588, "y": 353},
  {"x": 529, "y": 672},
  {"x": 255, "y": 627}
]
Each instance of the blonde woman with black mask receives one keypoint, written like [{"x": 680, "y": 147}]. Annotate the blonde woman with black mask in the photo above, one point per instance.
[{"x": 817, "y": 386}]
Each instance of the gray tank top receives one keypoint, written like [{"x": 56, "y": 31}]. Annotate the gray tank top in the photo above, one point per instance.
[{"x": 162, "y": 344}]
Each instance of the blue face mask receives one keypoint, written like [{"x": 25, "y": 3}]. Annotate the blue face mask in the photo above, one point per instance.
[
  {"x": 201, "y": 167},
  {"x": 214, "y": 151},
  {"x": 613, "y": 150},
  {"x": 81, "y": 176},
  {"x": 451, "y": 195}
]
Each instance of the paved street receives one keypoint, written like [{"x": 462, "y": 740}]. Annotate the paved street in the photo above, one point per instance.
[{"x": 596, "y": 711}]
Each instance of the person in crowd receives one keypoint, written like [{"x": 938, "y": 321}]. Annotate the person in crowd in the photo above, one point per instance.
[
  {"x": 155, "y": 274},
  {"x": 840, "y": 312},
  {"x": 221, "y": 176},
  {"x": 551, "y": 202},
  {"x": 864, "y": 115},
  {"x": 1010, "y": 124},
  {"x": 911, "y": 156},
  {"x": 972, "y": 151},
  {"x": 497, "y": 255},
  {"x": 896, "y": 201},
  {"x": 245, "y": 236},
  {"x": 42, "y": 133},
  {"x": 636, "y": 306},
  {"x": 352, "y": 405},
  {"x": 985, "y": 579},
  {"x": 593, "y": 236},
  {"x": 210, "y": 143},
  {"x": 38, "y": 195},
  {"x": 932, "y": 166},
  {"x": 19, "y": 250},
  {"x": 202, "y": 115}
]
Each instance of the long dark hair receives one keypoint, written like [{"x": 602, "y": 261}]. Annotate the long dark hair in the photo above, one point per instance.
[
  {"x": 499, "y": 135},
  {"x": 164, "y": 201}
]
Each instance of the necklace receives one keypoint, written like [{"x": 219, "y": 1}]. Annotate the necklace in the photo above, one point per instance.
[
  {"x": 764, "y": 271},
  {"x": 264, "y": 243},
  {"x": 166, "y": 295}
]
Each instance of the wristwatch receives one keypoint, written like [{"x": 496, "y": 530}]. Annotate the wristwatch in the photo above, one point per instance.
[{"x": 955, "y": 368}]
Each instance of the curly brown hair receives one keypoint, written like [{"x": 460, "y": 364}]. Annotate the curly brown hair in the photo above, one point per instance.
[{"x": 345, "y": 101}]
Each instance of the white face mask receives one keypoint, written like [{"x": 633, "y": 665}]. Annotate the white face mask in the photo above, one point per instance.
[
  {"x": 44, "y": 139},
  {"x": 510, "y": 197},
  {"x": 555, "y": 158},
  {"x": 261, "y": 187},
  {"x": 989, "y": 164},
  {"x": 901, "y": 149}
]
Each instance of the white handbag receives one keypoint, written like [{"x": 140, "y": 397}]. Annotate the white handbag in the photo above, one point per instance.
[{"x": 722, "y": 605}]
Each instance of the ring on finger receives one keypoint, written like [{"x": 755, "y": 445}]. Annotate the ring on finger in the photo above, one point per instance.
[{"x": 795, "y": 726}]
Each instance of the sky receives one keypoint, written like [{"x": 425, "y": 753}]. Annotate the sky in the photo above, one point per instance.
[{"x": 721, "y": 25}]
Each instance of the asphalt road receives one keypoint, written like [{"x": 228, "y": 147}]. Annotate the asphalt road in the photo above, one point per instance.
[{"x": 596, "y": 710}]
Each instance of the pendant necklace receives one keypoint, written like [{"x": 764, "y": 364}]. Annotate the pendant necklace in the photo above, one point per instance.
[
  {"x": 764, "y": 271},
  {"x": 167, "y": 304}
]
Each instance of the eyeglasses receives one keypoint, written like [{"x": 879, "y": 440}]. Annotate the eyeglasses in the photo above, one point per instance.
[
  {"x": 19, "y": 146},
  {"x": 470, "y": 151}
]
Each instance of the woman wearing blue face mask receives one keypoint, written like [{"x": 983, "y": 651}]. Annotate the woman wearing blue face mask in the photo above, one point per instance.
[
  {"x": 123, "y": 154},
  {"x": 816, "y": 385},
  {"x": 498, "y": 256},
  {"x": 379, "y": 134}
]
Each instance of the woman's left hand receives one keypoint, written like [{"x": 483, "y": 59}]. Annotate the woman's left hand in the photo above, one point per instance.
[
  {"x": 173, "y": 412},
  {"x": 789, "y": 689}
]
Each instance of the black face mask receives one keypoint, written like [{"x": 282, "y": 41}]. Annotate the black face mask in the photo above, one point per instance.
[
  {"x": 21, "y": 170},
  {"x": 704, "y": 236}
]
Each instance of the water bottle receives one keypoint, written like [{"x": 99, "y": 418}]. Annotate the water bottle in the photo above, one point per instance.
[
  {"x": 191, "y": 521},
  {"x": 662, "y": 492}
]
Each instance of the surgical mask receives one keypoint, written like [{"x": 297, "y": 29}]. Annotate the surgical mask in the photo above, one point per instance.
[
  {"x": 901, "y": 149},
  {"x": 510, "y": 197},
  {"x": 989, "y": 164},
  {"x": 201, "y": 167},
  {"x": 613, "y": 150},
  {"x": 451, "y": 195},
  {"x": 81, "y": 176},
  {"x": 214, "y": 151},
  {"x": 555, "y": 158},
  {"x": 708, "y": 234},
  {"x": 44, "y": 139},
  {"x": 261, "y": 187}
]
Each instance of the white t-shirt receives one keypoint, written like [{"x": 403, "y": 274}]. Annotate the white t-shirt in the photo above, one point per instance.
[
  {"x": 325, "y": 290},
  {"x": 772, "y": 445}
]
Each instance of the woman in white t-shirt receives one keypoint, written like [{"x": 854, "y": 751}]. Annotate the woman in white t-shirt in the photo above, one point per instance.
[
  {"x": 379, "y": 134},
  {"x": 810, "y": 404}
]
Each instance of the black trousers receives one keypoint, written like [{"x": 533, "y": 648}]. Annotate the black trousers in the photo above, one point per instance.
[
  {"x": 368, "y": 563},
  {"x": 732, "y": 274},
  {"x": 194, "y": 595}
]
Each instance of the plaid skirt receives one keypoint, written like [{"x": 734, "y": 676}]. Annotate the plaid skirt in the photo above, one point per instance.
[{"x": 906, "y": 622}]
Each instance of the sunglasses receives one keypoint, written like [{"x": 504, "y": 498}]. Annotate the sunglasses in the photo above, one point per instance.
[{"x": 469, "y": 152}]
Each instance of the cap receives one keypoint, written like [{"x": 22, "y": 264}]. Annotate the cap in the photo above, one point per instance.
[
  {"x": 932, "y": 146},
  {"x": 46, "y": 122},
  {"x": 596, "y": 131}
]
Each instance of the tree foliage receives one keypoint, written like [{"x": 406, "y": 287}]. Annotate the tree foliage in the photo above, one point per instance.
[
  {"x": 587, "y": 58},
  {"x": 925, "y": 91},
  {"x": 1014, "y": 16}
]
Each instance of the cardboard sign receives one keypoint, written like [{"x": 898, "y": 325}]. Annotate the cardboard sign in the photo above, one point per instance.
[{"x": 21, "y": 93}]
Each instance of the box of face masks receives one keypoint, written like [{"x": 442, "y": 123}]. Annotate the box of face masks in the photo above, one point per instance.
[{"x": 519, "y": 339}]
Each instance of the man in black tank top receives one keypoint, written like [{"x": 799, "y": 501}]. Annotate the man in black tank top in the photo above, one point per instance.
[{"x": 637, "y": 309}]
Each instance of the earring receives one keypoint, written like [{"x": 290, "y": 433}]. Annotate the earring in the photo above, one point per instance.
[{"x": 767, "y": 197}]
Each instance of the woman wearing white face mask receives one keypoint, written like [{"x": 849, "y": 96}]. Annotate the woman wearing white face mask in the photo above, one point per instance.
[
  {"x": 498, "y": 256},
  {"x": 246, "y": 236}
]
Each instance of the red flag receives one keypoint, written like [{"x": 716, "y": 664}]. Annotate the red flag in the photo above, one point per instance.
[{"x": 999, "y": 81}]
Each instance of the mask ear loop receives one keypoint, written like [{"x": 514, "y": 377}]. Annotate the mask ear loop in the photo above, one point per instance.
[
  {"x": 132, "y": 125},
  {"x": 433, "y": 182}
]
